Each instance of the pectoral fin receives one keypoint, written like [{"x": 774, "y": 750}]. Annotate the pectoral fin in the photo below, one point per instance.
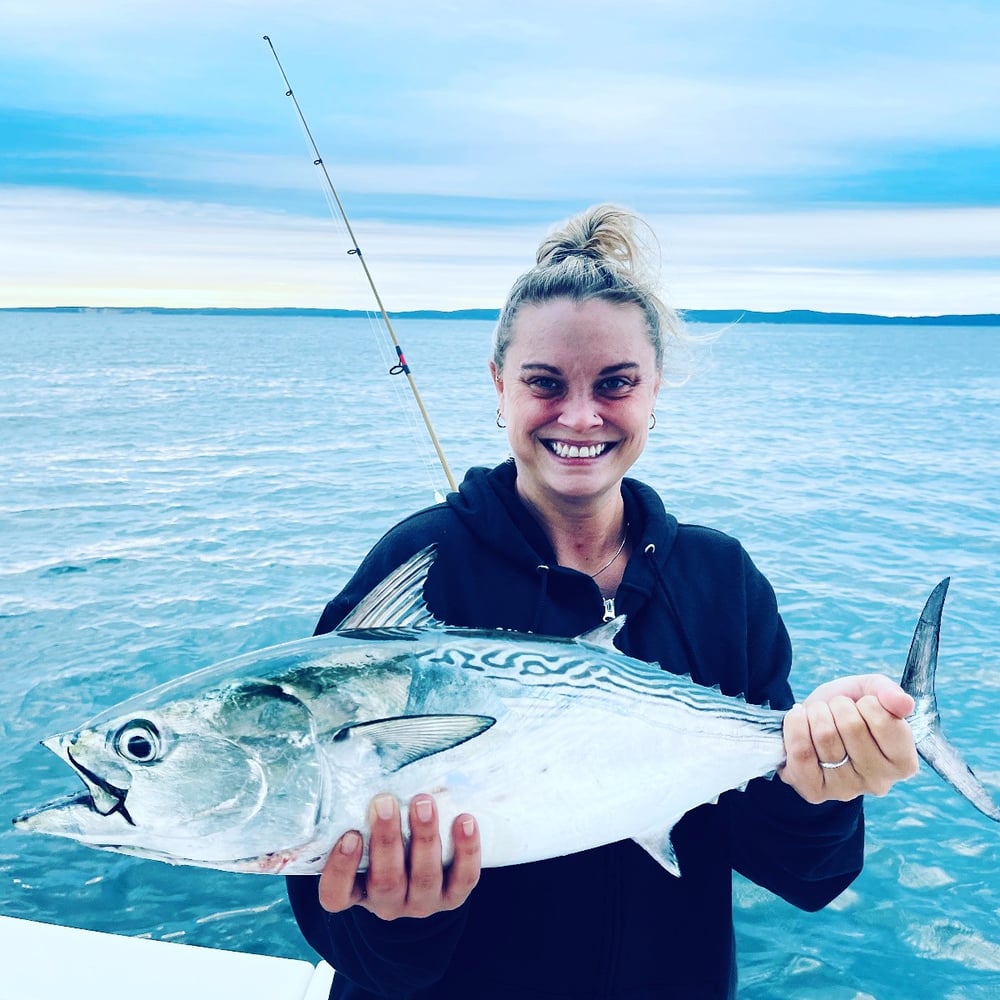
[
  {"x": 402, "y": 740},
  {"x": 657, "y": 845}
]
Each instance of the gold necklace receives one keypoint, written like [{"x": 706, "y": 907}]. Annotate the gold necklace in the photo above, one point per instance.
[{"x": 594, "y": 576}]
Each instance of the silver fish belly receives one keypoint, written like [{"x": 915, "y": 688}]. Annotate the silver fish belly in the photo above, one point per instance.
[{"x": 556, "y": 745}]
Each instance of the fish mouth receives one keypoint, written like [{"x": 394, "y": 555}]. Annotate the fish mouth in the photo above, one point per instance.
[
  {"x": 105, "y": 797},
  {"x": 74, "y": 800},
  {"x": 571, "y": 449},
  {"x": 75, "y": 817}
]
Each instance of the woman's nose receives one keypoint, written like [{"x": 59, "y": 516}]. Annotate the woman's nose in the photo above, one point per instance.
[{"x": 579, "y": 412}]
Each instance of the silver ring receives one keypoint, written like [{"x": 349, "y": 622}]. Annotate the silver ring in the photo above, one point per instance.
[{"x": 833, "y": 767}]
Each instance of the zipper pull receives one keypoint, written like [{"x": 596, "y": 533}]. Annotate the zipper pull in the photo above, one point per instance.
[{"x": 609, "y": 609}]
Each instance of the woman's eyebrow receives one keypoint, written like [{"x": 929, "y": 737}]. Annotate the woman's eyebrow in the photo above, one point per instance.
[
  {"x": 532, "y": 366},
  {"x": 555, "y": 370},
  {"x": 623, "y": 366}
]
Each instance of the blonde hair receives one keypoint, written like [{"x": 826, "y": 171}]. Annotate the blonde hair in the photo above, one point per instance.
[{"x": 598, "y": 254}]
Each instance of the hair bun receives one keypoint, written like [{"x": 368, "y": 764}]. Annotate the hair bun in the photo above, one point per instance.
[
  {"x": 604, "y": 253},
  {"x": 604, "y": 233}
]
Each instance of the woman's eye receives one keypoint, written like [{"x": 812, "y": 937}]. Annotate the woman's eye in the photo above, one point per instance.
[
  {"x": 614, "y": 386},
  {"x": 544, "y": 385}
]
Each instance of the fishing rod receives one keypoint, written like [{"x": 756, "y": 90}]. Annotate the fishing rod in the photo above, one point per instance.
[{"x": 401, "y": 367}]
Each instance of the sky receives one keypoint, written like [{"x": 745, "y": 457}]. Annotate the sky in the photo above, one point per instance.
[{"x": 788, "y": 155}]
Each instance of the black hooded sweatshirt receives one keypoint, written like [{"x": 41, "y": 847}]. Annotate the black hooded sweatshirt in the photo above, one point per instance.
[{"x": 609, "y": 922}]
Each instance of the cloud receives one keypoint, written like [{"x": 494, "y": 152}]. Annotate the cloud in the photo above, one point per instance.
[
  {"x": 897, "y": 261},
  {"x": 160, "y": 156},
  {"x": 73, "y": 248}
]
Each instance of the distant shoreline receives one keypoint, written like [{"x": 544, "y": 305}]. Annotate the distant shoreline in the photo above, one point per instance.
[{"x": 797, "y": 316}]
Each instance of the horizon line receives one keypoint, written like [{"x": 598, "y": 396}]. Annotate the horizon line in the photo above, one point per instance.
[{"x": 800, "y": 316}]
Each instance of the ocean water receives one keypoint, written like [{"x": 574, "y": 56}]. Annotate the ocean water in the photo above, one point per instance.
[{"x": 179, "y": 489}]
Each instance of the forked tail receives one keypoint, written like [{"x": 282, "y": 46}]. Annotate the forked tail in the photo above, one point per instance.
[{"x": 918, "y": 681}]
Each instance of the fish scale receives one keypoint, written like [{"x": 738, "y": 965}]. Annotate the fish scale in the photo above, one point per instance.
[{"x": 262, "y": 762}]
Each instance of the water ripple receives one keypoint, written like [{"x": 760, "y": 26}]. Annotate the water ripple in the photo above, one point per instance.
[{"x": 177, "y": 490}]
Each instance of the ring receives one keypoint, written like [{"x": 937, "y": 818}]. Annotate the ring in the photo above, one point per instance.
[{"x": 833, "y": 767}]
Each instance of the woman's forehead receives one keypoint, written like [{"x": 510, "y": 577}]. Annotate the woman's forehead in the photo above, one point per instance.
[{"x": 594, "y": 333}]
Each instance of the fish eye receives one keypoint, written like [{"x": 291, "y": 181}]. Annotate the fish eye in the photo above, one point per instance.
[{"x": 138, "y": 741}]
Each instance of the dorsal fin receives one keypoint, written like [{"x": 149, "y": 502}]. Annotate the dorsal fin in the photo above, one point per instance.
[{"x": 398, "y": 601}]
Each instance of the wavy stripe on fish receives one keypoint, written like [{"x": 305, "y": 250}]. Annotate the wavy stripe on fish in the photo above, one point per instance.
[{"x": 260, "y": 763}]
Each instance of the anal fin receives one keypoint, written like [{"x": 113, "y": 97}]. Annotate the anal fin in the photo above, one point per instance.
[{"x": 657, "y": 844}]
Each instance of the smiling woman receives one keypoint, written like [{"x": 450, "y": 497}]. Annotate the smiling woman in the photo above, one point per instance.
[
  {"x": 553, "y": 541},
  {"x": 578, "y": 420}
]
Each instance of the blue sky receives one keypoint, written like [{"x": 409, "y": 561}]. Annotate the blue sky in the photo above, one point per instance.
[{"x": 788, "y": 154}]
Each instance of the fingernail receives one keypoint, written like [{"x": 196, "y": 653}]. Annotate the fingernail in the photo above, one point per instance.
[
  {"x": 349, "y": 842},
  {"x": 424, "y": 809},
  {"x": 385, "y": 806},
  {"x": 468, "y": 826}
]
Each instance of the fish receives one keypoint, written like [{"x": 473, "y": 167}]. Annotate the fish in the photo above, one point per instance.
[{"x": 261, "y": 762}]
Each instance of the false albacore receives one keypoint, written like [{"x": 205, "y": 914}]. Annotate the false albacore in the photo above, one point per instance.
[{"x": 261, "y": 762}]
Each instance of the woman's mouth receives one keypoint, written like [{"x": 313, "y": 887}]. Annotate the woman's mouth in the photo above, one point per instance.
[{"x": 563, "y": 449}]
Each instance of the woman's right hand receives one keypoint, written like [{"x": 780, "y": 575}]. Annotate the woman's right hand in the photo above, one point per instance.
[{"x": 401, "y": 882}]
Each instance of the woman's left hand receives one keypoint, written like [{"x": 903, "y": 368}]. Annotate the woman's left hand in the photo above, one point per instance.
[{"x": 857, "y": 726}]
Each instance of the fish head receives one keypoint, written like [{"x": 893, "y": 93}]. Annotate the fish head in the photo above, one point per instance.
[
  {"x": 218, "y": 779},
  {"x": 158, "y": 777}
]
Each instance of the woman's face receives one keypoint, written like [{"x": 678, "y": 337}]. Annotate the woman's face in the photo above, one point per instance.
[{"x": 578, "y": 385}]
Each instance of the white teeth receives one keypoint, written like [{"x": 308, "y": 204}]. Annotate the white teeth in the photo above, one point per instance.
[{"x": 577, "y": 451}]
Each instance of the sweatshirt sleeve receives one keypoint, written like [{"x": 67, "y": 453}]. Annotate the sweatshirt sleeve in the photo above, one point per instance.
[
  {"x": 387, "y": 958},
  {"x": 384, "y": 958},
  {"x": 807, "y": 854}
]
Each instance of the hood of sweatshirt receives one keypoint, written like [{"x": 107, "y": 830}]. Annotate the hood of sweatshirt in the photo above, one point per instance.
[
  {"x": 564, "y": 599},
  {"x": 488, "y": 505}
]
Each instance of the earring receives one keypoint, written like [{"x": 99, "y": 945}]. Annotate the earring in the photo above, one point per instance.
[
  {"x": 652, "y": 420},
  {"x": 499, "y": 418}
]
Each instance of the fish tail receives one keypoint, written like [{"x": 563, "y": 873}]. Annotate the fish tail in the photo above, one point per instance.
[{"x": 918, "y": 681}]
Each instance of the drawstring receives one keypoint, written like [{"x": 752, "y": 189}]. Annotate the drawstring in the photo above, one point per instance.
[
  {"x": 650, "y": 552},
  {"x": 543, "y": 592}
]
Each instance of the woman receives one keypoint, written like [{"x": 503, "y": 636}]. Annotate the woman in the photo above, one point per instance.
[{"x": 553, "y": 541}]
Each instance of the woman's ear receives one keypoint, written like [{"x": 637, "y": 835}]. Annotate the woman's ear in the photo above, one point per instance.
[{"x": 496, "y": 378}]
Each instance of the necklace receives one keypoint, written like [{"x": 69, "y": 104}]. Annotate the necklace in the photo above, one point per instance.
[{"x": 594, "y": 576}]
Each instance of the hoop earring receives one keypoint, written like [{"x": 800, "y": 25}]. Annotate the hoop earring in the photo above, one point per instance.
[
  {"x": 499, "y": 418},
  {"x": 652, "y": 420}
]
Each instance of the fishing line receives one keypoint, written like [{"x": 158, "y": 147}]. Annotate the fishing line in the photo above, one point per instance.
[{"x": 398, "y": 366}]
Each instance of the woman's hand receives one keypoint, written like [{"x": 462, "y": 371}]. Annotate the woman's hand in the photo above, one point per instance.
[
  {"x": 401, "y": 882},
  {"x": 858, "y": 720}
]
